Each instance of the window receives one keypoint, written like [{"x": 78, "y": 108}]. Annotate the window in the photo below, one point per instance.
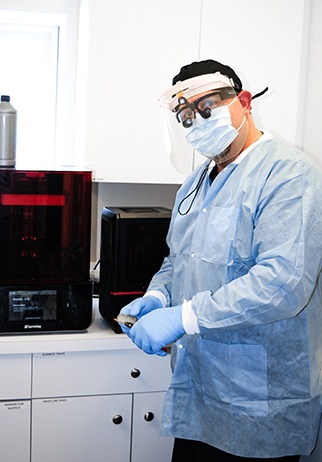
[{"x": 39, "y": 48}]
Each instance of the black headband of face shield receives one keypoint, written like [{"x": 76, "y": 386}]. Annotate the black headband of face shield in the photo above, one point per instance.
[{"x": 208, "y": 66}]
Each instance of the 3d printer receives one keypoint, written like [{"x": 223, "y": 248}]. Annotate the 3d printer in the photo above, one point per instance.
[{"x": 45, "y": 219}]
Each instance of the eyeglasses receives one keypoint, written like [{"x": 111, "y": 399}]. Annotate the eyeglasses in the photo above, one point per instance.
[{"x": 185, "y": 111}]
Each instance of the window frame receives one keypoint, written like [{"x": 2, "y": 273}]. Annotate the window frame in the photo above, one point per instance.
[{"x": 71, "y": 18}]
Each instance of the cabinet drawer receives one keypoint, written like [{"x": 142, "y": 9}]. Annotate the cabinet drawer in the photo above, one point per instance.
[
  {"x": 99, "y": 372},
  {"x": 15, "y": 372},
  {"x": 15, "y": 431}
]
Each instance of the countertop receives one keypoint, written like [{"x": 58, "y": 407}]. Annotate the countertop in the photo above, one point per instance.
[{"x": 99, "y": 336}]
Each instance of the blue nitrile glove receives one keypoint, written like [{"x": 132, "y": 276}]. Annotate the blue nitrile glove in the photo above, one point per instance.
[
  {"x": 139, "y": 307},
  {"x": 157, "y": 329}
]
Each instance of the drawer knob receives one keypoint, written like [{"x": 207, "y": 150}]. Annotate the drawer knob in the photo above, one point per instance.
[
  {"x": 148, "y": 416},
  {"x": 135, "y": 373},
  {"x": 117, "y": 419}
]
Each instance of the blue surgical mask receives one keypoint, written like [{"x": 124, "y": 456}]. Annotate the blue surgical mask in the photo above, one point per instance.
[{"x": 212, "y": 136}]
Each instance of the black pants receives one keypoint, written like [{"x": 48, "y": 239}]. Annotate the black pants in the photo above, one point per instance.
[{"x": 195, "y": 451}]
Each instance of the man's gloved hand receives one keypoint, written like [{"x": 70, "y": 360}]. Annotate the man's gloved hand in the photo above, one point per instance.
[
  {"x": 157, "y": 329},
  {"x": 139, "y": 307}
]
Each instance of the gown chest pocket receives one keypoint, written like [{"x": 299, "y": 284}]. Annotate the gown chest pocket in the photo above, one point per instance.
[{"x": 215, "y": 233}]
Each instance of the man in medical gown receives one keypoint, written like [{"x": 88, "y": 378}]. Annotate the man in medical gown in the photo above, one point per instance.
[{"x": 240, "y": 295}]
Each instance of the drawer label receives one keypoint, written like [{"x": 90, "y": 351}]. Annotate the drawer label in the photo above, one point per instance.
[
  {"x": 13, "y": 405},
  {"x": 54, "y": 354},
  {"x": 55, "y": 400}
]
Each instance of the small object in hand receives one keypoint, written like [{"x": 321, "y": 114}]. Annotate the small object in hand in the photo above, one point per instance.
[{"x": 126, "y": 319}]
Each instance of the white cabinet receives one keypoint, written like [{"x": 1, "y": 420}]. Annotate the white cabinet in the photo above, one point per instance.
[
  {"x": 98, "y": 428},
  {"x": 82, "y": 429},
  {"x": 15, "y": 385},
  {"x": 15, "y": 372},
  {"x": 15, "y": 430},
  {"x": 98, "y": 373},
  {"x": 264, "y": 42},
  {"x": 135, "y": 48},
  {"x": 146, "y": 443},
  {"x": 99, "y": 405},
  {"x": 81, "y": 397}
]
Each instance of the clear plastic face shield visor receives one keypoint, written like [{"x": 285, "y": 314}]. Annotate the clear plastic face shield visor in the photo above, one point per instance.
[{"x": 179, "y": 107}]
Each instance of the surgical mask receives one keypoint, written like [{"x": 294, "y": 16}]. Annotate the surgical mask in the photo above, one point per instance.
[{"x": 212, "y": 136}]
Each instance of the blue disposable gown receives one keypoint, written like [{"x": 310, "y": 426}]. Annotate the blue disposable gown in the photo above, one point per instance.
[{"x": 248, "y": 255}]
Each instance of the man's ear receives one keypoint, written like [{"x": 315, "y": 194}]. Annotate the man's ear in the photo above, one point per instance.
[{"x": 245, "y": 99}]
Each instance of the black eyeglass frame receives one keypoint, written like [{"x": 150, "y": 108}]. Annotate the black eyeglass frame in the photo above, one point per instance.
[{"x": 224, "y": 93}]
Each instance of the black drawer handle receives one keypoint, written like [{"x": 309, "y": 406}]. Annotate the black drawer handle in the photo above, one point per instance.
[
  {"x": 117, "y": 419},
  {"x": 135, "y": 373},
  {"x": 148, "y": 416}
]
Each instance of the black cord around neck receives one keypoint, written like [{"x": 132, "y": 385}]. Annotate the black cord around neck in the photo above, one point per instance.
[{"x": 195, "y": 190}]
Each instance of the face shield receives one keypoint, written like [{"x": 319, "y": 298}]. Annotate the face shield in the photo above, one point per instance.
[{"x": 179, "y": 107}]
